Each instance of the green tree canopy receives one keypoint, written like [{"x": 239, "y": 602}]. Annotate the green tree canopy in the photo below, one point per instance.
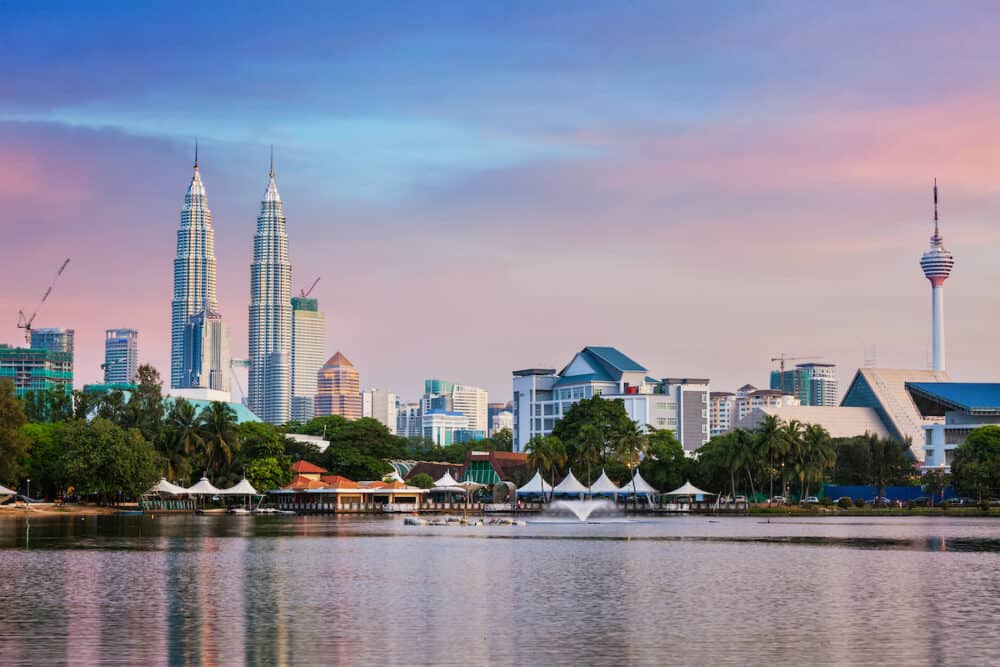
[
  {"x": 665, "y": 465},
  {"x": 593, "y": 423},
  {"x": 975, "y": 468},
  {"x": 13, "y": 443},
  {"x": 107, "y": 460},
  {"x": 421, "y": 480}
]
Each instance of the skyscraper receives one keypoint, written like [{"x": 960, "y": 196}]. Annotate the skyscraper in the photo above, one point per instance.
[
  {"x": 194, "y": 274},
  {"x": 308, "y": 333},
  {"x": 269, "y": 393},
  {"x": 937, "y": 264},
  {"x": 338, "y": 389},
  {"x": 206, "y": 352},
  {"x": 121, "y": 355},
  {"x": 380, "y": 404}
]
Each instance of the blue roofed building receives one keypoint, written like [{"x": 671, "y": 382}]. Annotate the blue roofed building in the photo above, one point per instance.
[
  {"x": 542, "y": 396},
  {"x": 957, "y": 409}
]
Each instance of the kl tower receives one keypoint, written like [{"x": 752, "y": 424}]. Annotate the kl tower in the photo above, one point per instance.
[{"x": 937, "y": 264}]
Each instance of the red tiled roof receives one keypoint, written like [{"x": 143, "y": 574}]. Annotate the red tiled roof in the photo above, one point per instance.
[
  {"x": 306, "y": 467},
  {"x": 300, "y": 483},
  {"x": 338, "y": 482}
]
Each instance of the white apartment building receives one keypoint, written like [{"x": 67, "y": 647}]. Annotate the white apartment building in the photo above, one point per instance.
[
  {"x": 542, "y": 396},
  {"x": 381, "y": 405}
]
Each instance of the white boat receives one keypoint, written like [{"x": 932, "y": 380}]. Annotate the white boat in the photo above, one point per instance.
[{"x": 240, "y": 511}]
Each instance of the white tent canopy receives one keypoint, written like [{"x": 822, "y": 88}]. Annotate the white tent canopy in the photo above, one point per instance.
[
  {"x": 535, "y": 487},
  {"x": 4, "y": 491},
  {"x": 163, "y": 486},
  {"x": 637, "y": 486},
  {"x": 447, "y": 480},
  {"x": 689, "y": 489},
  {"x": 569, "y": 486},
  {"x": 603, "y": 485},
  {"x": 244, "y": 488},
  {"x": 203, "y": 488}
]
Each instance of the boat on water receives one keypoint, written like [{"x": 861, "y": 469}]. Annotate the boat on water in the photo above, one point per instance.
[
  {"x": 129, "y": 512},
  {"x": 212, "y": 510},
  {"x": 271, "y": 511},
  {"x": 239, "y": 511}
]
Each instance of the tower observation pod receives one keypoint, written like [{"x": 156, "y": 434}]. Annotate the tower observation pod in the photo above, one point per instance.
[{"x": 937, "y": 264}]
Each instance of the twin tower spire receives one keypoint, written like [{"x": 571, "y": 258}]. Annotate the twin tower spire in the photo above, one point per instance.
[{"x": 199, "y": 351}]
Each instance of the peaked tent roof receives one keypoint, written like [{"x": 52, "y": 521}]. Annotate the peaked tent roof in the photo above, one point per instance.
[
  {"x": 446, "y": 480},
  {"x": 4, "y": 491},
  {"x": 640, "y": 486},
  {"x": 689, "y": 489},
  {"x": 536, "y": 486},
  {"x": 570, "y": 484},
  {"x": 203, "y": 488},
  {"x": 163, "y": 486},
  {"x": 604, "y": 484},
  {"x": 244, "y": 488}
]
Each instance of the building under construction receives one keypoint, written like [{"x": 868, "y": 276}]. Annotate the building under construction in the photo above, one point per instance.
[{"x": 36, "y": 369}]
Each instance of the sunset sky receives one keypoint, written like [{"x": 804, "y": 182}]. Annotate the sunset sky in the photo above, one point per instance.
[{"x": 491, "y": 186}]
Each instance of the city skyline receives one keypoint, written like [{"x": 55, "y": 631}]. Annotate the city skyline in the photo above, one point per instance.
[{"x": 748, "y": 185}]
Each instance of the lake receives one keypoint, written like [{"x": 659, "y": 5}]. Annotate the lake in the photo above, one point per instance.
[{"x": 324, "y": 590}]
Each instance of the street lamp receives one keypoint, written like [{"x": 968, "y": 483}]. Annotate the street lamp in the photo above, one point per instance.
[{"x": 28, "y": 494}]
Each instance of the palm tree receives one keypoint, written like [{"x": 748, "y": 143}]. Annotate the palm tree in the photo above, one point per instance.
[
  {"x": 772, "y": 444},
  {"x": 546, "y": 453},
  {"x": 817, "y": 455},
  {"x": 590, "y": 449},
  {"x": 629, "y": 449},
  {"x": 794, "y": 430},
  {"x": 182, "y": 438},
  {"x": 745, "y": 445},
  {"x": 220, "y": 437}
]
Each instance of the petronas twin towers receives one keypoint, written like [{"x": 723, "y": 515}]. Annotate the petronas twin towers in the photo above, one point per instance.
[{"x": 199, "y": 340}]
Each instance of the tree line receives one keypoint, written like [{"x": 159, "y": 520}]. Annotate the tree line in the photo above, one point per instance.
[{"x": 115, "y": 445}]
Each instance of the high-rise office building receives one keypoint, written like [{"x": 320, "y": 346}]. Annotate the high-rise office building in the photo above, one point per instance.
[
  {"x": 937, "y": 264},
  {"x": 449, "y": 396},
  {"x": 194, "y": 274},
  {"x": 308, "y": 334},
  {"x": 270, "y": 390},
  {"x": 53, "y": 339},
  {"x": 338, "y": 389},
  {"x": 380, "y": 405},
  {"x": 36, "y": 369},
  {"x": 206, "y": 352},
  {"x": 409, "y": 420},
  {"x": 812, "y": 384},
  {"x": 121, "y": 356}
]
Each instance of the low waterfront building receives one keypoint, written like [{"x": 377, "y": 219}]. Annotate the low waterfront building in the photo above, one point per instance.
[
  {"x": 542, "y": 396},
  {"x": 314, "y": 489},
  {"x": 36, "y": 369},
  {"x": 884, "y": 389},
  {"x": 839, "y": 422},
  {"x": 957, "y": 409}
]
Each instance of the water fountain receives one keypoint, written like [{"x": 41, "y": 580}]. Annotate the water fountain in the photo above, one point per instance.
[{"x": 584, "y": 509}]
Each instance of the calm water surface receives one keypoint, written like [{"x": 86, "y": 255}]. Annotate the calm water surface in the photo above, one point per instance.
[{"x": 321, "y": 590}]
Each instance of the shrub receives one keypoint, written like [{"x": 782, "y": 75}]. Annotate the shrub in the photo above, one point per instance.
[
  {"x": 844, "y": 503},
  {"x": 826, "y": 502},
  {"x": 984, "y": 505},
  {"x": 859, "y": 502}
]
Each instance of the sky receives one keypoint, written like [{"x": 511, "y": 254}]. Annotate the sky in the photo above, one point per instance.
[{"x": 483, "y": 187}]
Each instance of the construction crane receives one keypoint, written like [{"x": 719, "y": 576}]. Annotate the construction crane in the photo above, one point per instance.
[
  {"x": 306, "y": 292},
  {"x": 781, "y": 359},
  {"x": 25, "y": 322}
]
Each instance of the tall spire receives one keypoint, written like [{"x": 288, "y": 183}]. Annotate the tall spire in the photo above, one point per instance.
[
  {"x": 272, "y": 162},
  {"x": 936, "y": 233},
  {"x": 196, "y": 152}
]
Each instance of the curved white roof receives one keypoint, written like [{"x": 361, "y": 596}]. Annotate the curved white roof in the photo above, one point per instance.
[
  {"x": 536, "y": 486},
  {"x": 163, "y": 486},
  {"x": 244, "y": 488},
  {"x": 570, "y": 484},
  {"x": 203, "y": 488},
  {"x": 637, "y": 485},
  {"x": 604, "y": 484}
]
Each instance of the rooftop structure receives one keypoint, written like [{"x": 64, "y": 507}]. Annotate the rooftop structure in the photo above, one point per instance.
[{"x": 958, "y": 408}]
